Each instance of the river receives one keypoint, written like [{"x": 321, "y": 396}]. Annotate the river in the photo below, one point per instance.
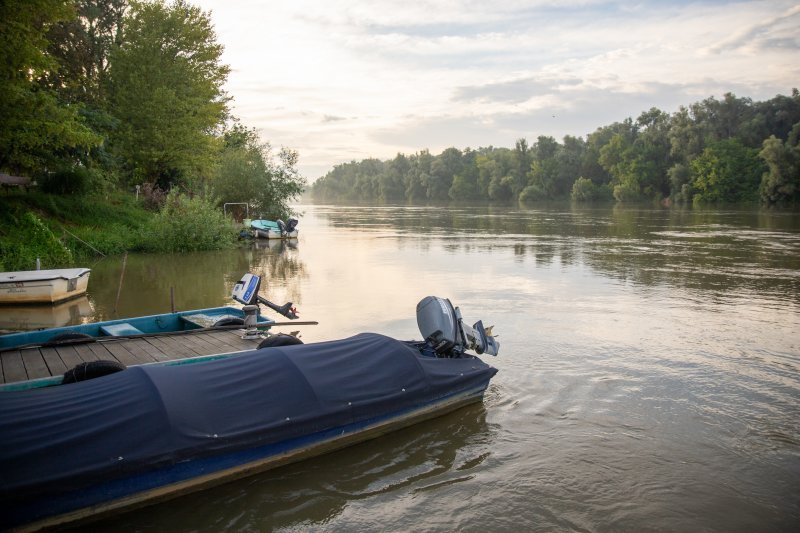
[{"x": 648, "y": 370}]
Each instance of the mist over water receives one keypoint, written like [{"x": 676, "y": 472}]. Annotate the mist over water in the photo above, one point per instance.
[{"x": 648, "y": 371}]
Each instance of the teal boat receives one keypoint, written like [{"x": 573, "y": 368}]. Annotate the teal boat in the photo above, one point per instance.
[
  {"x": 274, "y": 229},
  {"x": 214, "y": 317}
]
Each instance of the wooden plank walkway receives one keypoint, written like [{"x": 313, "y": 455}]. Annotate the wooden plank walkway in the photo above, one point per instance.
[{"x": 43, "y": 362}]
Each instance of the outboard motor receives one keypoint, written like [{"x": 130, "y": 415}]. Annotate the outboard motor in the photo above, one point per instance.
[
  {"x": 246, "y": 292},
  {"x": 281, "y": 226},
  {"x": 291, "y": 224},
  {"x": 443, "y": 328}
]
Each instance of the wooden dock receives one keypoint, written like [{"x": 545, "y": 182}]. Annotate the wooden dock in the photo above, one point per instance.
[{"x": 44, "y": 362}]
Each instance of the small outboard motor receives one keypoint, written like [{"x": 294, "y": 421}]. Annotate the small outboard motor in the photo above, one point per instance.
[
  {"x": 246, "y": 292},
  {"x": 291, "y": 224},
  {"x": 443, "y": 328}
]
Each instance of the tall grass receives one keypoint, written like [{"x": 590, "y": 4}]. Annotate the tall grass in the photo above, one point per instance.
[{"x": 66, "y": 230}]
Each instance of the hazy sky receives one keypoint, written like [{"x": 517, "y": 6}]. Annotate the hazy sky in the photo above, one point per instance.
[{"x": 346, "y": 80}]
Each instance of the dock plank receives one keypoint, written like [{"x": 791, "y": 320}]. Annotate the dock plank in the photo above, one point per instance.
[
  {"x": 138, "y": 350},
  {"x": 55, "y": 365},
  {"x": 100, "y": 351},
  {"x": 85, "y": 352},
  {"x": 199, "y": 345},
  {"x": 209, "y": 338},
  {"x": 121, "y": 354},
  {"x": 35, "y": 365},
  {"x": 55, "y": 361},
  {"x": 133, "y": 349},
  {"x": 173, "y": 348},
  {"x": 232, "y": 341},
  {"x": 13, "y": 368},
  {"x": 69, "y": 356}
]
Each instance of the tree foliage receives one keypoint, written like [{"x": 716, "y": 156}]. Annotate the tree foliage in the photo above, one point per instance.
[
  {"x": 711, "y": 151},
  {"x": 249, "y": 172},
  {"x": 37, "y": 131},
  {"x": 101, "y": 94},
  {"x": 165, "y": 89}
]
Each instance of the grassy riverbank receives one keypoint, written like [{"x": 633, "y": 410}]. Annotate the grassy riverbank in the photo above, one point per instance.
[{"x": 70, "y": 230}]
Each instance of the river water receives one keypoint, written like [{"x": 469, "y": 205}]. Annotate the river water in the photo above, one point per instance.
[{"x": 648, "y": 371}]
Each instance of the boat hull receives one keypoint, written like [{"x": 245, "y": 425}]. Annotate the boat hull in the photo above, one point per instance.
[
  {"x": 42, "y": 286},
  {"x": 271, "y": 234},
  {"x": 154, "y": 432},
  {"x": 151, "y": 324},
  {"x": 206, "y": 474}
]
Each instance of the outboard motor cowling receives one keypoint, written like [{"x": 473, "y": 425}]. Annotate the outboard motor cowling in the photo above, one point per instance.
[
  {"x": 291, "y": 224},
  {"x": 438, "y": 323},
  {"x": 443, "y": 328}
]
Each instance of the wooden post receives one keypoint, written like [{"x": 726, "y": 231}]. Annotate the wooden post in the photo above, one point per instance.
[
  {"x": 172, "y": 298},
  {"x": 121, "y": 276}
]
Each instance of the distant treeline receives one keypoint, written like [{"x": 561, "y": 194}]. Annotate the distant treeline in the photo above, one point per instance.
[{"x": 732, "y": 150}]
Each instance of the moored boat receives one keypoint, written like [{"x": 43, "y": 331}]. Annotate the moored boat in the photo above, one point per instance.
[
  {"x": 42, "y": 286},
  {"x": 152, "y": 432},
  {"x": 274, "y": 229}
]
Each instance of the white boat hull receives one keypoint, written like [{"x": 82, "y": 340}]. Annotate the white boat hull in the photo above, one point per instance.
[
  {"x": 269, "y": 234},
  {"x": 43, "y": 286}
]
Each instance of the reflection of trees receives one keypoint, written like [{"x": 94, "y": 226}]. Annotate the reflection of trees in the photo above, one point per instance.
[
  {"x": 445, "y": 450},
  {"x": 703, "y": 249},
  {"x": 279, "y": 265},
  {"x": 199, "y": 279}
]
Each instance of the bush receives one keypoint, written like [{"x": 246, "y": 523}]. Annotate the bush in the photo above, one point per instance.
[
  {"x": 188, "y": 224},
  {"x": 532, "y": 193},
  {"x": 584, "y": 190},
  {"x": 76, "y": 180},
  {"x": 28, "y": 238}
]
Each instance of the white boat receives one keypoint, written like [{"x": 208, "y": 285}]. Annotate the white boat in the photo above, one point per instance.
[{"x": 42, "y": 286}]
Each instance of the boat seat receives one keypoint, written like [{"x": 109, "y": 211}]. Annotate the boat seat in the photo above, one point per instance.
[{"x": 118, "y": 330}]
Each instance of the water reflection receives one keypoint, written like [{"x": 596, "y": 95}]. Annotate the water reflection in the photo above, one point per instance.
[
  {"x": 32, "y": 317},
  {"x": 746, "y": 252},
  {"x": 145, "y": 284},
  {"x": 444, "y": 451}
]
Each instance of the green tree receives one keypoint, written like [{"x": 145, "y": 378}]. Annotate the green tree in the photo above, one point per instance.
[
  {"x": 780, "y": 184},
  {"x": 38, "y": 133},
  {"x": 392, "y": 188},
  {"x": 250, "y": 172},
  {"x": 165, "y": 89},
  {"x": 726, "y": 171},
  {"x": 82, "y": 46},
  {"x": 465, "y": 183}
]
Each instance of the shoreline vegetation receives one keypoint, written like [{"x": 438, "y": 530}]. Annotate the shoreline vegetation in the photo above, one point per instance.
[
  {"x": 713, "y": 152},
  {"x": 106, "y": 101},
  {"x": 115, "y": 109}
]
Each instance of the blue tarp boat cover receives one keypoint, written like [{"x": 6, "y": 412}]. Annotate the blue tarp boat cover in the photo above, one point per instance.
[{"x": 69, "y": 437}]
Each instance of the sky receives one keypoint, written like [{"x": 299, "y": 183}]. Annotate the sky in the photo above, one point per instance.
[{"x": 344, "y": 80}]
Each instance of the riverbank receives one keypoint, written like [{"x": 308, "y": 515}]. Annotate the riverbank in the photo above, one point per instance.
[{"x": 68, "y": 230}]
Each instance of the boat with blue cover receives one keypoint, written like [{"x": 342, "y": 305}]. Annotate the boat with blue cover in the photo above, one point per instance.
[{"x": 75, "y": 452}]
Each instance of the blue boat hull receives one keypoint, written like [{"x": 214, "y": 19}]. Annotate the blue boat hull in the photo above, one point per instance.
[
  {"x": 162, "y": 323},
  {"x": 147, "y": 434}
]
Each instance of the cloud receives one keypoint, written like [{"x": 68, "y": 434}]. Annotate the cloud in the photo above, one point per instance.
[
  {"x": 513, "y": 91},
  {"x": 780, "y": 31},
  {"x": 354, "y": 79}
]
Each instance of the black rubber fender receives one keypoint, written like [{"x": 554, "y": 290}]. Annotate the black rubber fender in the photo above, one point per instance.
[
  {"x": 229, "y": 321},
  {"x": 71, "y": 337},
  {"x": 281, "y": 339},
  {"x": 91, "y": 370}
]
